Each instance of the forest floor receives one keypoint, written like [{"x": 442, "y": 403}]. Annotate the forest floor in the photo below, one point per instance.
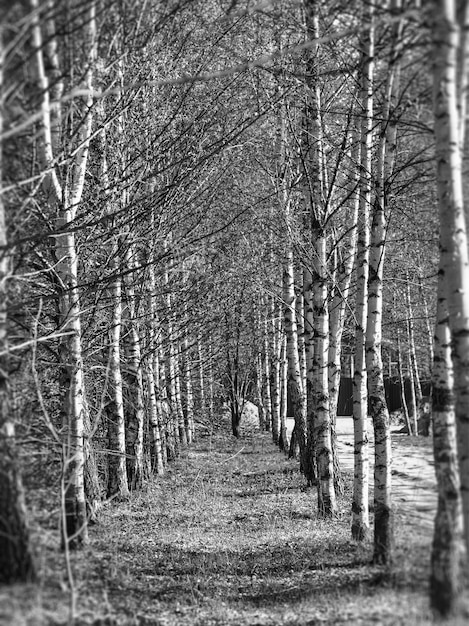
[{"x": 230, "y": 536}]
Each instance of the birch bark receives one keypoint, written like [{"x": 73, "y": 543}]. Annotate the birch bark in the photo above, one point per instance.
[
  {"x": 66, "y": 198},
  {"x": 448, "y": 48},
  {"x": 16, "y": 560}
]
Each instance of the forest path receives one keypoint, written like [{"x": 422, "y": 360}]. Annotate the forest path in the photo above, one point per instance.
[
  {"x": 413, "y": 474},
  {"x": 229, "y": 536}
]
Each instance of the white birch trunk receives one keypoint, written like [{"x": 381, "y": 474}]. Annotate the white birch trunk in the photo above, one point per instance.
[
  {"x": 292, "y": 354},
  {"x": 454, "y": 264},
  {"x": 16, "y": 560},
  {"x": 283, "y": 439},
  {"x": 154, "y": 418},
  {"x": 400, "y": 369},
  {"x": 383, "y": 511},
  {"x": 202, "y": 393},
  {"x": 135, "y": 417},
  {"x": 412, "y": 350},
  {"x": 327, "y": 505},
  {"x": 309, "y": 354},
  {"x": 67, "y": 200},
  {"x": 360, "y": 512},
  {"x": 276, "y": 375},
  {"x": 448, "y": 544},
  {"x": 189, "y": 421},
  {"x": 118, "y": 485}
]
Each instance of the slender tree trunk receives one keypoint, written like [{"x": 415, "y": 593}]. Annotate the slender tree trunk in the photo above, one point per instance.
[
  {"x": 66, "y": 201},
  {"x": 283, "y": 439},
  {"x": 383, "y": 512},
  {"x": 412, "y": 350},
  {"x": 189, "y": 421},
  {"x": 454, "y": 264},
  {"x": 428, "y": 325},
  {"x": 400, "y": 369},
  {"x": 341, "y": 293},
  {"x": 118, "y": 485},
  {"x": 135, "y": 414},
  {"x": 211, "y": 393},
  {"x": 157, "y": 463},
  {"x": 448, "y": 545},
  {"x": 292, "y": 355},
  {"x": 360, "y": 514},
  {"x": 174, "y": 386},
  {"x": 266, "y": 388},
  {"x": 311, "y": 469},
  {"x": 276, "y": 375},
  {"x": 202, "y": 393},
  {"x": 413, "y": 399},
  {"x": 16, "y": 560}
]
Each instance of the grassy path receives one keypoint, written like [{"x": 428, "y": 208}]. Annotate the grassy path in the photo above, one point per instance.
[{"x": 228, "y": 536}]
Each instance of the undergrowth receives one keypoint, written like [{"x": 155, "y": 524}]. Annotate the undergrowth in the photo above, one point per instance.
[{"x": 230, "y": 535}]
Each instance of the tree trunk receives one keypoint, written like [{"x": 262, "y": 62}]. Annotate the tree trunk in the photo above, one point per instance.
[
  {"x": 66, "y": 201},
  {"x": 327, "y": 505},
  {"x": 189, "y": 420},
  {"x": 412, "y": 351},
  {"x": 16, "y": 560},
  {"x": 292, "y": 355},
  {"x": 448, "y": 545},
  {"x": 401, "y": 384},
  {"x": 135, "y": 413},
  {"x": 276, "y": 375},
  {"x": 360, "y": 513},
  {"x": 454, "y": 265},
  {"x": 383, "y": 512},
  {"x": 283, "y": 439},
  {"x": 157, "y": 463},
  {"x": 202, "y": 393}
]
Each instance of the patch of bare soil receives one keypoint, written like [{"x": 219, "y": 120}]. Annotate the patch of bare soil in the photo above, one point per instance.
[{"x": 230, "y": 535}]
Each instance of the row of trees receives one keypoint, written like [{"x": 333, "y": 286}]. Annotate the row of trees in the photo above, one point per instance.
[{"x": 203, "y": 201}]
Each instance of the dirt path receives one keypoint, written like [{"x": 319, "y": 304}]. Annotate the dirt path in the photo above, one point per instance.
[{"x": 413, "y": 482}]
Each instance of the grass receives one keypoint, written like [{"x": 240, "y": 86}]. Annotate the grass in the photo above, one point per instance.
[{"x": 229, "y": 536}]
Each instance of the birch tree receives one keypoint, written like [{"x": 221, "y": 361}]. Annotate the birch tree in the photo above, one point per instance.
[
  {"x": 16, "y": 559},
  {"x": 450, "y": 376},
  {"x": 64, "y": 196},
  {"x": 360, "y": 515},
  {"x": 317, "y": 206}
]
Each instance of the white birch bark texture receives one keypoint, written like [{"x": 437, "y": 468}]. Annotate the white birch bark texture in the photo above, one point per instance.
[
  {"x": 383, "y": 512},
  {"x": 360, "y": 514},
  {"x": 292, "y": 354},
  {"x": 275, "y": 393},
  {"x": 266, "y": 363},
  {"x": 400, "y": 369},
  {"x": 201, "y": 376},
  {"x": 412, "y": 348},
  {"x": 66, "y": 200},
  {"x": 153, "y": 371},
  {"x": 283, "y": 382},
  {"x": 176, "y": 431},
  {"x": 157, "y": 464},
  {"x": 117, "y": 483},
  {"x": 314, "y": 174},
  {"x": 447, "y": 547},
  {"x": 189, "y": 418},
  {"x": 289, "y": 300},
  {"x": 16, "y": 561},
  {"x": 340, "y": 300},
  {"x": 135, "y": 409},
  {"x": 454, "y": 261},
  {"x": 309, "y": 354}
]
